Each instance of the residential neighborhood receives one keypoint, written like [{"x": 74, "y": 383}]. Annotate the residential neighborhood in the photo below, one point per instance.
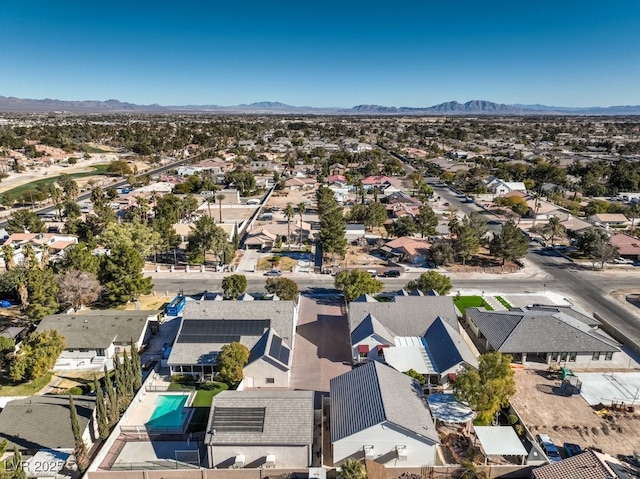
[{"x": 403, "y": 296}]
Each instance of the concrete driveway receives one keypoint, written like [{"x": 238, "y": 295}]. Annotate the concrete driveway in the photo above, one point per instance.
[{"x": 322, "y": 349}]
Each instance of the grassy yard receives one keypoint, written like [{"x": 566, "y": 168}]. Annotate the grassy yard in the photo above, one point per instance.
[
  {"x": 7, "y": 388},
  {"x": 34, "y": 185},
  {"x": 464, "y": 302},
  {"x": 202, "y": 407},
  {"x": 286, "y": 264}
]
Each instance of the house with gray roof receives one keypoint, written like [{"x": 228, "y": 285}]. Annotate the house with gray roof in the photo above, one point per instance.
[
  {"x": 587, "y": 465},
  {"x": 547, "y": 334},
  {"x": 266, "y": 328},
  {"x": 411, "y": 332},
  {"x": 43, "y": 422},
  {"x": 96, "y": 336},
  {"x": 261, "y": 428},
  {"x": 380, "y": 414}
]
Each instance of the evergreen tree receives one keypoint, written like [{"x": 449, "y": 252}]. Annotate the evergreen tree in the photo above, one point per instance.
[
  {"x": 510, "y": 244},
  {"x": 426, "y": 221},
  {"x": 121, "y": 275},
  {"x": 112, "y": 399},
  {"x": 136, "y": 367},
  {"x": 121, "y": 385},
  {"x": 127, "y": 374},
  {"x": 80, "y": 450},
  {"x": 101, "y": 410}
]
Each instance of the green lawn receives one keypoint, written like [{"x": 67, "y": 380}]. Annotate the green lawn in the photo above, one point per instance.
[
  {"x": 202, "y": 406},
  {"x": 26, "y": 389},
  {"x": 34, "y": 185},
  {"x": 464, "y": 302},
  {"x": 503, "y": 302}
]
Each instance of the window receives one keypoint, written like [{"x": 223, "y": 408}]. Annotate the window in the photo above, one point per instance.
[
  {"x": 608, "y": 356},
  {"x": 270, "y": 380},
  {"x": 596, "y": 356},
  {"x": 563, "y": 356},
  {"x": 554, "y": 356},
  {"x": 572, "y": 357}
]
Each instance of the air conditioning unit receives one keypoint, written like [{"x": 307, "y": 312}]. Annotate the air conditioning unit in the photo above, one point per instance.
[
  {"x": 368, "y": 453},
  {"x": 239, "y": 461},
  {"x": 270, "y": 461},
  {"x": 402, "y": 453}
]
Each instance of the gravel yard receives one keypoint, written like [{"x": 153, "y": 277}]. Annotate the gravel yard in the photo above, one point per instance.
[{"x": 544, "y": 409}]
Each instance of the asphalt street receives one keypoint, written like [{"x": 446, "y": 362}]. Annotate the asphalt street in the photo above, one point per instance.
[{"x": 549, "y": 272}]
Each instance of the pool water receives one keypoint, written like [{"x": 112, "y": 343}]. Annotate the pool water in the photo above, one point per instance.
[{"x": 169, "y": 412}]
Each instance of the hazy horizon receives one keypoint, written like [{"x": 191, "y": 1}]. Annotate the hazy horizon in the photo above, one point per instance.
[{"x": 329, "y": 54}]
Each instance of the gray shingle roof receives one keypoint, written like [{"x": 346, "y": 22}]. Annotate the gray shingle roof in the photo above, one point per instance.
[
  {"x": 583, "y": 466},
  {"x": 529, "y": 331},
  {"x": 41, "y": 422},
  {"x": 288, "y": 417},
  {"x": 406, "y": 315},
  {"x": 369, "y": 326},
  {"x": 279, "y": 315},
  {"x": 98, "y": 329},
  {"x": 447, "y": 348},
  {"x": 373, "y": 394}
]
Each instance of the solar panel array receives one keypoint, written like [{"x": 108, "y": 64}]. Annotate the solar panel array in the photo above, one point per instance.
[
  {"x": 238, "y": 419},
  {"x": 220, "y": 330},
  {"x": 278, "y": 350}
]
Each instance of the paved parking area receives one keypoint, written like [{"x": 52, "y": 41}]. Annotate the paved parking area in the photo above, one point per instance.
[{"x": 322, "y": 349}]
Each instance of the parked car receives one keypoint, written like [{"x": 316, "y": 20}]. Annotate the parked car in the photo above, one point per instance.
[
  {"x": 572, "y": 449},
  {"x": 623, "y": 261},
  {"x": 548, "y": 447},
  {"x": 273, "y": 272},
  {"x": 392, "y": 273}
]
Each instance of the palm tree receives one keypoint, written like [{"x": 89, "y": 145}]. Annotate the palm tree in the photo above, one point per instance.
[
  {"x": 553, "y": 228},
  {"x": 301, "y": 209},
  {"x": 353, "y": 469},
  {"x": 9, "y": 256},
  {"x": 289, "y": 213},
  {"x": 220, "y": 197},
  {"x": 634, "y": 209}
]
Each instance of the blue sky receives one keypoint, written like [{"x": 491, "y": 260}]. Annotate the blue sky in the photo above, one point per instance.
[{"x": 329, "y": 53}]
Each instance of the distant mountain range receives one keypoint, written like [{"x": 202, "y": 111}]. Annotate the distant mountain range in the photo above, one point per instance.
[{"x": 474, "y": 107}]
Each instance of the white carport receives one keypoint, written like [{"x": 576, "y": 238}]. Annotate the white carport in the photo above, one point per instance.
[{"x": 499, "y": 441}]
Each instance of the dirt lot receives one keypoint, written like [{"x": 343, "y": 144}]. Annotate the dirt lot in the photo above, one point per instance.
[
  {"x": 293, "y": 197},
  {"x": 544, "y": 409}
]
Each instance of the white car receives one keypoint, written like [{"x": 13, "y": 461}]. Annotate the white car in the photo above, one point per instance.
[{"x": 622, "y": 261}]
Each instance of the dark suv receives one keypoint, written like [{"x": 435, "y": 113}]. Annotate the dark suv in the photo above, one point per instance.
[{"x": 392, "y": 273}]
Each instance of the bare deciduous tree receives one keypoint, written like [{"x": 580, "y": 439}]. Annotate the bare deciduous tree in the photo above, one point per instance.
[{"x": 78, "y": 288}]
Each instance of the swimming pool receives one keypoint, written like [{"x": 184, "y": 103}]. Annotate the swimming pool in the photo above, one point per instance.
[{"x": 169, "y": 412}]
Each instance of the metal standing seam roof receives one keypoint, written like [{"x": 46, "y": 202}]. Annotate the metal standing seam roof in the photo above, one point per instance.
[
  {"x": 499, "y": 441},
  {"x": 373, "y": 394},
  {"x": 447, "y": 347},
  {"x": 288, "y": 418}
]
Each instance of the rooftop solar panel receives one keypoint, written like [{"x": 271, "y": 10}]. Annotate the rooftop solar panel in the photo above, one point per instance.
[
  {"x": 278, "y": 350},
  {"x": 220, "y": 330},
  {"x": 238, "y": 419}
]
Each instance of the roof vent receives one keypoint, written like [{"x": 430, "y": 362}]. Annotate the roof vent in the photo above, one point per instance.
[{"x": 86, "y": 320}]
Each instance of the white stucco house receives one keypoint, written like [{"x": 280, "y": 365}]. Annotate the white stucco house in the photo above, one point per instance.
[{"x": 380, "y": 414}]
